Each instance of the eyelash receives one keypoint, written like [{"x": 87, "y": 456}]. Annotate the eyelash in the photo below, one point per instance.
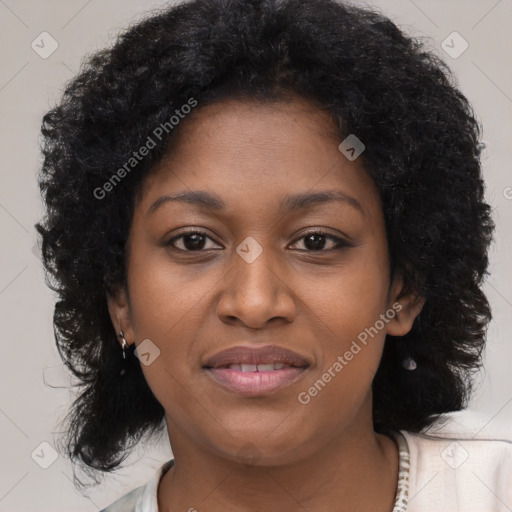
[{"x": 340, "y": 243}]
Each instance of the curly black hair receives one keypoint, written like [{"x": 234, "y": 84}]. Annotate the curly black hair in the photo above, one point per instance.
[{"x": 422, "y": 151}]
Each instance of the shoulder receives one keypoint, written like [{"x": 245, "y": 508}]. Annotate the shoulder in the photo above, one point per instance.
[
  {"x": 126, "y": 503},
  {"x": 143, "y": 498},
  {"x": 459, "y": 471}
]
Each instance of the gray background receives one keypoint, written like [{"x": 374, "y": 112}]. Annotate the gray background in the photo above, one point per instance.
[{"x": 30, "y": 85}]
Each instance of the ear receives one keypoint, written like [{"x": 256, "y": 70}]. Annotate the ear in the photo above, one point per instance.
[
  {"x": 120, "y": 313},
  {"x": 406, "y": 306}
]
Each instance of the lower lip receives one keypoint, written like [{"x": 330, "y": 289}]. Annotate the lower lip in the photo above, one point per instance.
[{"x": 255, "y": 383}]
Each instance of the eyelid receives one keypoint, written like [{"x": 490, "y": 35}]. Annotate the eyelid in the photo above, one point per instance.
[
  {"x": 196, "y": 231},
  {"x": 341, "y": 243}
]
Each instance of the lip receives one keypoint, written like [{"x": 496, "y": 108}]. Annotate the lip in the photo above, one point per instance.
[
  {"x": 255, "y": 383},
  {"x": 256, "y": 355}
]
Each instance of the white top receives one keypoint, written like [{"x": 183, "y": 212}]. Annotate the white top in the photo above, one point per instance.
[{"x": 441, "y": 474}]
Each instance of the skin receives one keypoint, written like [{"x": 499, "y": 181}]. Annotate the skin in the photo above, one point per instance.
[{"x": 321, "y": 456}]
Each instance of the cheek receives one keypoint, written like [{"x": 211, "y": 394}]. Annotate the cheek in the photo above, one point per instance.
[
  {"x": 346, "y": 310},
  {"x": 350, "y": 298},
  {"x": 164, "y": 297},
  {"x": 167, "y": 307},
  {"x": 348, "y": 357},
  {"x": 350, "y": 336}
]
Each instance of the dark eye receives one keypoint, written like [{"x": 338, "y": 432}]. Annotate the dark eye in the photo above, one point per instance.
[
  {"x": 196, "y": 241},
  {"x": 191, "y": 241},
  {"x": 316, "y": 241}
]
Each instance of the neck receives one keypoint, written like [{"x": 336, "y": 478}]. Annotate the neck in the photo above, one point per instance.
[{"x": 357, "y": 470}]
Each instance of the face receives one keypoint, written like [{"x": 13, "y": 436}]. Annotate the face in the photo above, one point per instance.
[{"x": 260, "y": 269}]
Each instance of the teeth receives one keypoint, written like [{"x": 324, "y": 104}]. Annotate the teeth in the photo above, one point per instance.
[
  {"x": 269, "y": 367},
  {"x": 266, "y": 367}
]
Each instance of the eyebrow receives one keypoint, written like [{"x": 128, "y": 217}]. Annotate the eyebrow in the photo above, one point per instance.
[{"x": 290, "y": 203}]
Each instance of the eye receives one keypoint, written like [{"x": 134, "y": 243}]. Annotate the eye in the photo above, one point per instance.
[
  {"x": 315, "y": 241},
  {"x": 191, "y": 241}
]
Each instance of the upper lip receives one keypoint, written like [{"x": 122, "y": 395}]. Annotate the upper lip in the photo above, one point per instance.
[{"x": 255, "y": 355}]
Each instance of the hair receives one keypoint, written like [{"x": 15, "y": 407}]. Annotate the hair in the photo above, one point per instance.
[{"x": 422, "y": 150}]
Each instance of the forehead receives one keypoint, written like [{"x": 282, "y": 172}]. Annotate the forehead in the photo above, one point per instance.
[
  {"x": 251, "y": 128},
  {"x": 254, "y": 153}
]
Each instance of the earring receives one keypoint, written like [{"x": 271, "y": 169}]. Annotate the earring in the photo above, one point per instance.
[
  {"x": 121, "y": 335},
  {"x": 409, "y": 364}
]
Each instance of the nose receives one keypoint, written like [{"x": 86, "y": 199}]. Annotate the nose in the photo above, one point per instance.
[{"x": 255, "y": 292}]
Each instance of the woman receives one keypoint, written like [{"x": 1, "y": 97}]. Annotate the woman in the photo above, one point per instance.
[{"x": 267, "y": 228}]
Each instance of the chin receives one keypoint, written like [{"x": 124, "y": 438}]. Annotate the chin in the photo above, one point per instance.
[{"x": 266, "y": 448}]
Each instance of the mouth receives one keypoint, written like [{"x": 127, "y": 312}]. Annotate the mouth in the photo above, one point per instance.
[
  {"x": 262, "y": 367},
  {"x": 255, "y": 372}
]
